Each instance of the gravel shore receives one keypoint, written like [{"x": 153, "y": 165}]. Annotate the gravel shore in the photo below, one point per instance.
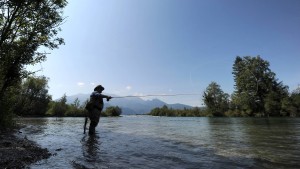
[{"x": 18, "y": 152}]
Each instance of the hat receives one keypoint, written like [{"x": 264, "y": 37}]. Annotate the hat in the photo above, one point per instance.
[{"x": 99, "y": 87}]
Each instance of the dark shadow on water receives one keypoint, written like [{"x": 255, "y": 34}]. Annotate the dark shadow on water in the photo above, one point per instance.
[
  {"x": 90, "y": 153},
  {"x": 91, "y": 148}
]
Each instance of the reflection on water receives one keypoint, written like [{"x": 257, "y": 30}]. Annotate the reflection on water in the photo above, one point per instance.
[
  {"x": 91, "y": 148},
  {"x": 168, "y": 142}
]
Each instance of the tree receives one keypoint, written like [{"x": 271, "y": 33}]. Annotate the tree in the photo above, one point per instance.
[
  {"x": 25, "y": 27},
  {"x": 272, "y": 104},
  {"x": 155, "y": 112},
  {"x": 274, "y": 99},
  {"x": 215, "y": 99},
  {"x": 60, "y": 107},
  {"x": 33, "y": 97},
  {"x": 295, "y": 103},
  {"x": 76, "y": 103},
  {"x": 165, "y": 111},
  {"x": 257, "y": 91},
  {"x": 112, "y": 111},
  {"x": 75, "y": 110}
]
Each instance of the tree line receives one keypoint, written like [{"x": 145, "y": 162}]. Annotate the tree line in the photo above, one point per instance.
[
  {"x": 258, "y": 93},
  {"x": 192, "y": 112},
  {"x": 32, "y": 99}
]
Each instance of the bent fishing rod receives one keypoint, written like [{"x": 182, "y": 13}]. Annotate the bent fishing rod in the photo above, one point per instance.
[{"x": 158, "y": 95}]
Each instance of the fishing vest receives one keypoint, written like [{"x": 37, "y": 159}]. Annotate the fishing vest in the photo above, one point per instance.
[{"x": 96, "y": 101}]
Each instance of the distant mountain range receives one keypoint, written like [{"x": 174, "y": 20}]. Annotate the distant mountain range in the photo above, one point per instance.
[{"x": 130, "y": 105}]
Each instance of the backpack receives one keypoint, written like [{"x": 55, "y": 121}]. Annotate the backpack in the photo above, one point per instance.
[{"x": 89, "y": 106}]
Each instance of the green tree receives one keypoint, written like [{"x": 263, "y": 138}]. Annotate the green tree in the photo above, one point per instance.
[
  {"x": 275, "y": 98},
  {"x": 75, "y": 109},
  {"x": 216, "y": 101},
  {"x": 76, "y": 103},
  {"x": 295, "y": 103},
  {"x": 112, "y": 111},
  {"x": 25, "y": 27},
  {"x": 257, "y": 91},
  {"x": 165, "y": 111},
  {"x": 272, "y": 104},
  {"x": 287, "y": 107},
  {"x": 59, "y": 108},
  {"x": 33, "y": 97},
  {"x": 155, "y": 112}
]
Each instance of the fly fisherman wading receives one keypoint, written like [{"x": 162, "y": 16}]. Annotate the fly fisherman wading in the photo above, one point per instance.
[{"x": 94, "y": 107}]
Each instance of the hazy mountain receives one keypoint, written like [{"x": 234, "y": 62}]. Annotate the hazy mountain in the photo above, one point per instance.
[{"x": 130, "y": 105}]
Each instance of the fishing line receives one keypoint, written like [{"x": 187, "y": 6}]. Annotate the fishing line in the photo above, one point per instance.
[{"x": 160, "y": 95}]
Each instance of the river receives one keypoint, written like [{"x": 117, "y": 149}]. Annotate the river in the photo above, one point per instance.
[{"x": 168, "y": 142}]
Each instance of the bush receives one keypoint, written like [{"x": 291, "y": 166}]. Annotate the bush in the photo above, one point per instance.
[
  {"x": 165, "y": 111},
  {"x": 112, "y": 111}
]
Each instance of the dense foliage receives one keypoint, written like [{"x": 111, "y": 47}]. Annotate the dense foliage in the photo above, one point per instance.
[
  {"x": 25, "y": 27},
  {"x": 257, "y": 94},
  {"x": 58, "y": 108},
  {"x": 112, "y": 111},
  {"x": 165, "y": 111},
  {"x": 257, "y": 91},
  {"x": 32, "y": 97},
  {"x": 216, "y": 101}
]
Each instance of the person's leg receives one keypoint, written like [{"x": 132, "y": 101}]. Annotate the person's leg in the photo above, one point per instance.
[
  {"x": 92, "y": 128},
  {"x": 94, "y": 118}
]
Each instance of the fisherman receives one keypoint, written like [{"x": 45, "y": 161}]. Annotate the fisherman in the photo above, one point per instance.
[{"x": 95, "y": 107}]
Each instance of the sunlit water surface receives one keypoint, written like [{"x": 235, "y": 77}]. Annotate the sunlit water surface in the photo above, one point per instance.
[{"x": 168, "y": 142}]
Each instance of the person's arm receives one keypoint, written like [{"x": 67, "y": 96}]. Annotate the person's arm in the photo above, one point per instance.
[
  {"x": 97, "y": 94},
  {"x": 105, "y": 96}
]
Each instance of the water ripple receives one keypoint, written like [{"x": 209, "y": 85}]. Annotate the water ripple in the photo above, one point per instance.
[{"x": 151, "y": 142}]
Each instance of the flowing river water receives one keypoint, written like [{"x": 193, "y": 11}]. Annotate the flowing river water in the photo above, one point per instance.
[{"x": 168, "y": 142}]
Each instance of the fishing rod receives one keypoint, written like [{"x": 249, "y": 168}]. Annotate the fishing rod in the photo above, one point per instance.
[{"x": 160, "y": 95}]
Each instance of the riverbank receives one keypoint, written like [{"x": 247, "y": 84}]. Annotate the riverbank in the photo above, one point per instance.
[{"x": 18, "y": 152}]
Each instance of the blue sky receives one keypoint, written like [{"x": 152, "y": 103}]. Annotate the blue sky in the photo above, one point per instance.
[{"x": 139, "y": 47}]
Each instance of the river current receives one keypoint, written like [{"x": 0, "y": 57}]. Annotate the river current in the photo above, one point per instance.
[{"x": 167, "y": 142}]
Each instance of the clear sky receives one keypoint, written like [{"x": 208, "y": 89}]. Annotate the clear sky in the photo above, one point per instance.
[{"x": 139, "y": 47}]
